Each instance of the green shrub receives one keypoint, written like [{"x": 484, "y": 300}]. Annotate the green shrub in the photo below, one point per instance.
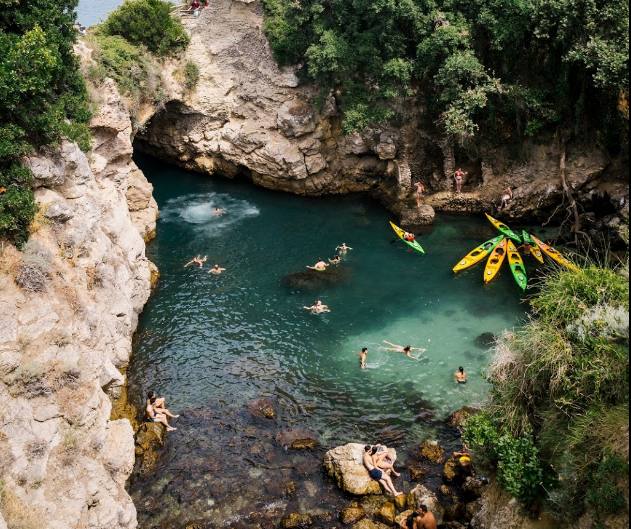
[
  {"x": 131, "y": 67},
  {"x": 191, "y": 75},
  {"x": 17, "y": 203},
  {"x": 148, "y": 23},
  {"x": 516, "y": 458}
]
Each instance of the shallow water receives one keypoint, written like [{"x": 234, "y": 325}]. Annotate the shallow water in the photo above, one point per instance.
[{"x": 212, "y": 344}]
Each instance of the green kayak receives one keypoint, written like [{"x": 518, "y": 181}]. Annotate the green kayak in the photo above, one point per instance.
[
  {"x": 412, "y": 244},
  {"x": 503, "y": 228},
  {"x": 517, "y": 267}
]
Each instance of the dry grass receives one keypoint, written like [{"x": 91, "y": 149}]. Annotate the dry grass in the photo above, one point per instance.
[{"x": 17, "y": 513}]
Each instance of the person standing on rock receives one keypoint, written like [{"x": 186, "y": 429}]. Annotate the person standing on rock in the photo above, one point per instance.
[
  {"x": 420, "y": 189},
  {"x": 459, "y": 178}
]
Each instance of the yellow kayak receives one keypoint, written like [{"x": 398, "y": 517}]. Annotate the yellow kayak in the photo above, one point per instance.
[
  {"x": 535, "y": 251},
  {"x": 475, "y": 256},
  {"x": 495, "y": 261},
  {"x": 517, "y": 267},
  {"x": 555, "y": 255},
  {"x": 401, "y": 233},
  {"x": 504, "y": 229}
]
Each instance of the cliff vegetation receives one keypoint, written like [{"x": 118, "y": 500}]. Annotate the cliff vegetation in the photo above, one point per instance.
[
  {"x": 503, "y": 70},
  {"x": 42, "y": 99},
  {"x": 558, "y": 424}
]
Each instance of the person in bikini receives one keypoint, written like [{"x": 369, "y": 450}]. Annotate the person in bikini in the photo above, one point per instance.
[
  {"x": 197, "y": 261},
  {"x": 157, "y": 412},
  {"x": 460, "y": 376},
  {"x": 375, "y": 473},
  {"x": 406, "y": 350},
  {"x": 420, "y": 189},
  {"x": 459, "y": 178}
]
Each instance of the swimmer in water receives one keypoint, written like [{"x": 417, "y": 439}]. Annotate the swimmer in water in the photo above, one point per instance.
[
  {"x": 198, "y": 261},
  {"x": 318, "y": 308},
  {"x": 342, "y": 249},
  {"x": 218, "y": 212},
  {"x": 216, "y": 270},
  {"x": 320, "y": 266},
  {"x": 460, "y": 376},
  {"x": 336, "y": 260},
  {"x": 406, "y": 350},
  {"x": 363, "y": 357}
]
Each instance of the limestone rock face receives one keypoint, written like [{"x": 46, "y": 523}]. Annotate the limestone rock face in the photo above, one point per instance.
[
  {"x": 421, "y": 216},
  {"x": 344, "y": 464},
  {"x": 61, "y": 350}
]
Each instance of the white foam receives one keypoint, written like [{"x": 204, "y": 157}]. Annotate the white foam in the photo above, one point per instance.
[{"x": 199, "y": 211}]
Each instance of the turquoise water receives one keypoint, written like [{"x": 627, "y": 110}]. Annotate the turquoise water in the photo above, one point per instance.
[
  {"x": 90, "y": 12},
  {"x": 212, "y": 344},
  {"x": 244, "y": 334}
]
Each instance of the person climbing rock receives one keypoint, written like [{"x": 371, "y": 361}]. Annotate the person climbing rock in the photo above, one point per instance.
[{"x": 506, "y": 198}]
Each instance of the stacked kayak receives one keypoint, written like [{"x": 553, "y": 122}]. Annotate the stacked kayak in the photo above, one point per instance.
[
  {"x": 504, "y": 248},
  {"x": 401, "y": 234}
]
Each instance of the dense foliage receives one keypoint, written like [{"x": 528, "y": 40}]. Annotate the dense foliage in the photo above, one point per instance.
[
  {"x": 502, "y": 68},
  {"x": 149, "y": 23},
  {"x": 42, "y": 98},
  {"x": 560, "y": 397}
]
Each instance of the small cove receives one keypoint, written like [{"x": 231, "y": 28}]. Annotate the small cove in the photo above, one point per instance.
[{"x": 213, "y": 344}]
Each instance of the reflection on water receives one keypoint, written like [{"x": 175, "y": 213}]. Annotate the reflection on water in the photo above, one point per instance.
[{"x": 213, "y": 344}]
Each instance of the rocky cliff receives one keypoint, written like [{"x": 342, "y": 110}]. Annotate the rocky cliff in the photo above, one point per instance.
[
  {"x": 249, "y": 117},
  {"x": 69, "y": 304}
]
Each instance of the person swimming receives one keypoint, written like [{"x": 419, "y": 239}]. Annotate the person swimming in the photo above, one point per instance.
[
  {"x": 318, "y": 308},
  {"x": 216, "y": 270},
  {"x": 406, "y": 350},
  {"x": 342, "y": 249},
  {"x": 363, "y": 357},
  {"x": 335, "y": 260},
  {"x": 218, "y": 212},
  {"x": 198, "y": 261},
  {"x": 460, "y": 376},
  {"x": 320, "y": 266}
]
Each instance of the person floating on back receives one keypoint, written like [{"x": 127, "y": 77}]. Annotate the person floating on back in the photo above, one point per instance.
[
  {"x": 320, "y": 266},
  {"x": 342, "y": 249},
  {"x": 460, "y": 376},
  {"x": 318, "y": 308},
  {"x": 197, "y": 261},
  {"x": 406, "y": 350}
]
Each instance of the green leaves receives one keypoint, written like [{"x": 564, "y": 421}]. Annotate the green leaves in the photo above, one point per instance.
[{"x": 149, "y": 23}]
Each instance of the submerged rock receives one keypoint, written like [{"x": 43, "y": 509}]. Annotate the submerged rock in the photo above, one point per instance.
[
  {"x": 296, "y": 521},
  {"x": 458, "y": 418},
  {"x": 485, "y": 340},
  {"x": 421, "y": 216},
  {"x": 297, "y": 439},
  {"x": 314, "y": 281},
  {"x": 387, "y": 513},
  {"x": 369, "y": 524},
  {"x": 263, "y": 408},
  {"x": 344, "y": 464},
  {"x": 149, "y": 442},
  {"x": 352, "y": 514},
  {"x": 432, "y": 452}
]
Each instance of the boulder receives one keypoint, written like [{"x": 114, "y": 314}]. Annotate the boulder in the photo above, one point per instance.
[
  {"x": 417, "y": 473},
  {"x": 263, "y": 408},
  {"x": 296, "y": 521},
  {"x": 369, "y": 524},
  {"x": 485, "y": 340},
  {"x": 421, "y": 216},
  {"x": 387, "y": 513},
  {"x": 297, "y": 439},
  {"x": 295, "y": 118},
  {"x": 344, "y": 464},
  {"x": 150, "y": 439},
  {"x": 432, "y": 452},
  {"x": 313, "y": 281},
  {"x": 59, "y": 212},
  {"x": 421, "y": 495},
  {"x": 450, "y": 471},
  {"x": 352, "y": 514},
  {"x": 459, "y": 417},
  {"x": 401, "y": 502}
]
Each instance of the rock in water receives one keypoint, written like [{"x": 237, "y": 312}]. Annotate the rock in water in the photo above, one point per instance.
[
  {"x": 297, "y": 439},
  {"x": 369, "y": 524},
  {"x": 311, "y": 280},
  {"x": 485, "y": 340},
  {"x": 432, "y": 452},
  {"x": 352, "y": 514},
  {"x": 459, "y": 417},
  {"x": 296, "y": 521},
  {"x": 421, "y": 495},
  {"x": 387, "y": 513},
  {"x": 344, "y": 464},
  {"x": 149, "y": 442},
  {"x": 422, "y": 216},
  {"x": 263, "y": 408}
]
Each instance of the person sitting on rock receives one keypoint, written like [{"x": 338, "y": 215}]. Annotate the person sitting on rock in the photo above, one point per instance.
[
  {"x": 376, "y": 474},
  {"x": 320, "y": 266},
  {"x": 198, "y": 261},
  {"x": 383, "y": 460},
  {"x": 156, "y": 412}
]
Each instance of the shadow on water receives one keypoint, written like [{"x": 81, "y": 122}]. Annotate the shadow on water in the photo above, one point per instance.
[{"x": 214, "y": 345}]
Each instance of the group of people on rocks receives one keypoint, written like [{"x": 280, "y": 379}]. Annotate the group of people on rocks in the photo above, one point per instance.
[{"x": 459, "y": 176}]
